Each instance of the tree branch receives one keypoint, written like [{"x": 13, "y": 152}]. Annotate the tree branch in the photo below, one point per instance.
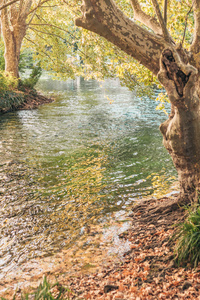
[
  {"x": 107, "y": 20},
  {"x": 161, "y": 21},
  {"x": 39, "y": 5},
  {"x": 165, "y": 11},
  {"x": 195, "y": 47},
  {"x": 7, "y": 4},
  {"x": 147, "y": 20},
  {"x": 54, "y": 26},
  {"x": 33, "y": 15},
  {"x": 186, "y": 18},
  {"x": 5, "y": 23},
  {"x": 45, "y": 54},
  {"x": 48, "y": 33},
  {"x": 26, "y": 8}
]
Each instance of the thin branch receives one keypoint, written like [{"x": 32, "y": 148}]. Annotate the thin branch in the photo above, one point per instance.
[
  {"x": 26, "y": 8},
  {"x": 20, "y": 8},
  {"x": 33, "y": 15},
  {"x": 48, "y": 33},
  {"x": 161, "y": 21},
  {"x": 40, "y": 49},
  {"x": 51, "y": 25},
  {"x": 165, "y": 11},
  {"x": 147, "y": 20},
  {"x": 49, "y": 6},
  {"x": 186, "y": 18},
  {"x": 195, "y": 47},
  {"x": 71, "y": 6},
  {"x": 5, "y": 23},
  {"x": 56, "y": 35},
  {"x": 7, "y": 4},
  {"x": 30, "y": 12}
]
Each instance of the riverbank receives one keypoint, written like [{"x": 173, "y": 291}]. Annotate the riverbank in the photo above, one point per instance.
[
  {"x": 22, "y": 100},
  {"x": 146, "y": 271}
]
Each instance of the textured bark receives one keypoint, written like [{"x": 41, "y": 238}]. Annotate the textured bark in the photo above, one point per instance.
[
  {"x": 161, "y": 20},
  {"x": 181, "y": 132},
  {"x": 195, "y": 47},
  {"x": 141, "y": 16},
  {"x": 104, "y": 18},
  {"x": 13, "y": 22}
]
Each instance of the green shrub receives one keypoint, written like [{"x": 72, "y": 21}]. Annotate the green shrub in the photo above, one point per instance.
[
  {"x": 7, "y": 82},
  {"x": 33, "y": 78},
  {"x": 188, "y": 239},
  {"x": 10, "y": 100}
]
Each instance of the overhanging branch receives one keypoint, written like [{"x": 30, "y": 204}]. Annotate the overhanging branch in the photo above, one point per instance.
[
  {"x": 144, "y": 18},
  {"x": 165, "y": 11},
  {"x": 161, "y": 21},
  {"x": 37, "y": 6},
  {"x": 7, "y": 4},
  {"x": 195, "y": 47},
  {"x": 107, "y": 20}
]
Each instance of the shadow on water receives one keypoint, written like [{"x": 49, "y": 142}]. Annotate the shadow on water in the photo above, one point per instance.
[{"x": 72, "y": 163}]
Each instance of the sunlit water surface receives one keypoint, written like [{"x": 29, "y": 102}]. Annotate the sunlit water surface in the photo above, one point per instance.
[{"x": 72, "y": 163}]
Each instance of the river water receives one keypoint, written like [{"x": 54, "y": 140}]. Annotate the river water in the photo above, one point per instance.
[{"x": 73, "y": 163}]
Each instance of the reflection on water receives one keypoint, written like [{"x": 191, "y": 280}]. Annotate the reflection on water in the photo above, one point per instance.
[{"x": 72, "y": 163}]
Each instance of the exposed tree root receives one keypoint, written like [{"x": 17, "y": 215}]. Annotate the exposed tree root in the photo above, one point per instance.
[{"x": 155, "y": 211}]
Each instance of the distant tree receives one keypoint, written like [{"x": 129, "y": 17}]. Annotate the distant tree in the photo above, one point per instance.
[{"x": 39, "y": 25}]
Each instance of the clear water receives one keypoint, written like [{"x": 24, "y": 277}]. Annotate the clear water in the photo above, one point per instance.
[{"x": 72, "y": 163}]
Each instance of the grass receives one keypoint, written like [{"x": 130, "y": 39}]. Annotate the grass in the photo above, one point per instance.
[
  {"x": 188, "y": 239},
  {"x": 10, "y": 100},
  {"x": 47, "y": 291}
]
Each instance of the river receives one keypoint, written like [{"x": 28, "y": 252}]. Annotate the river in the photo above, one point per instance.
[{"x": 73, "y": 163}]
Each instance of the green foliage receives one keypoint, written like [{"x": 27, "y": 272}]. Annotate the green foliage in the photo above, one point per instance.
[
  {"x": 45, "y": 292},
  {"x": 188, "y": 239},
  {"x": 10, "y": 100},
  {"x": 162, "y": 99},
  {"x": 7, "y": 82},
  {"x": 33, "y": 78},
  {"x": 68, "y": 51},
  {"x": 25, "y": 60}
]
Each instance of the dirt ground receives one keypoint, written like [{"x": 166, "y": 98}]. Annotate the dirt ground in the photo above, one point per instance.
[
  {"x": 33, "y": 100},
  {"x": 148, "y": 270}
]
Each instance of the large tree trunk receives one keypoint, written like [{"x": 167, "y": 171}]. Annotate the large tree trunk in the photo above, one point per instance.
[
  {"x": 13, "y": 23},
  {"x": 12, "y": 42},
  {"x": 181, "y": 132}
]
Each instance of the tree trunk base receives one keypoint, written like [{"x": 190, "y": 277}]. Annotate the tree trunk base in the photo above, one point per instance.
[{"x": 156, "y": 210}]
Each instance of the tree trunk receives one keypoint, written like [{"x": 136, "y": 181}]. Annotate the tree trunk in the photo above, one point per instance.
[
  {"x": 181, "y": 132},
  {"x": 13, "y": 41},
  {"x": 104, "y": 18},
  {"x": 13, "y": 32},
  {"x": 11, "y": 57}
]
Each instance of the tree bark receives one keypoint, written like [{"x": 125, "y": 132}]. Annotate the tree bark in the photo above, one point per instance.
[
  {"x": 104, "y": 18},
  {"x": 13, "y": 42},
  {"x": 177, "y": 70},
  {"x": 181, "y": 132},
  {"x": 13, "y": 23}
]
